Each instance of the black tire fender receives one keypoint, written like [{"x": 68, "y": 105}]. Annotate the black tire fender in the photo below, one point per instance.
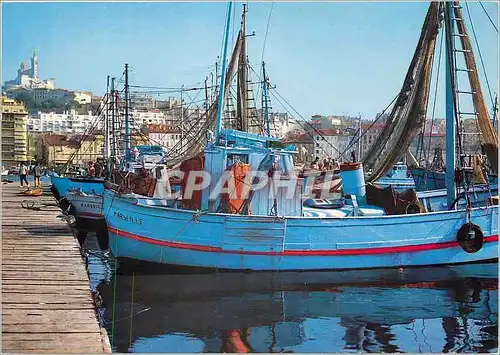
[{"x": 470, "y": 237}]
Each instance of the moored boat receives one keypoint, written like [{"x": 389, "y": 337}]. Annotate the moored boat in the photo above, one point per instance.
[
  {"x": 267, "y": 229},
  {"x": 399, "y": 178}
]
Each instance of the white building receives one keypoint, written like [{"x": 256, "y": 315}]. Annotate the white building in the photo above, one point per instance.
[
  {"x": 331, "y": 143},
  {"x": 281, "y": 124},
  {"x": 56, "y": 95},
  {"x": 149, "y": 117},
  {"x": 165, "y": 135},
  {"x": 82, "y": 97},
  {"x": 67, "y": 122}
]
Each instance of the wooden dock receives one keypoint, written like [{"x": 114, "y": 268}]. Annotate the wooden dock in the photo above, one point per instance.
[{"x": 47, "y": 304}]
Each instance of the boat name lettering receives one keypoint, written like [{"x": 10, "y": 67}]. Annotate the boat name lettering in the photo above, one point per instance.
[
  {"x": 90, "y": 205},
  {"x": 131, "y": 219}
]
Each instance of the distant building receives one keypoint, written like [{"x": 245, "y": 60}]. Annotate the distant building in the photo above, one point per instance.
[
  {"x": 14, "y": 135},
  {"x": 165, "y": 135},
  {"x": 369, "y": 133},
  {"x": 27, "y": 77},
  {"x": 304, "y": 144},
  {"x": 332, "y": 143},
  {"x": 430, "y": 141},
  {"x": 82, "y": 97},
  {"x": 57, "y": 149},
  {"x": 282, "y": 123},
  {"x": 320, "y": 122},
  {"x": 142, "y": 118},
  {"x": 32, "y": 143},
  {"x": 142, "y": 102},
  {"x": 62, "y": 123},
  {"x": 60, "y": 96}
]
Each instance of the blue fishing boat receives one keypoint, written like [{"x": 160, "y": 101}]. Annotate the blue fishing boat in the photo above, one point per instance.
[
  {"x": 267, "y": 230},
  {"x": 399, "y": 177},
  {"x": 86, "y": 200},
  {"x": 63, "y": 184},
  {"x": 428, "y": 180}
]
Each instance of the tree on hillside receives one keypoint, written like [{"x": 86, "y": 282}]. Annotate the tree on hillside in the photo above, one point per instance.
[{"x": 26, "y": 98}]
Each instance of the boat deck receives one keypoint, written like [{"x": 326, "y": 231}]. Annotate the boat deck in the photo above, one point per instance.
[{"x": 47, "y": 304}]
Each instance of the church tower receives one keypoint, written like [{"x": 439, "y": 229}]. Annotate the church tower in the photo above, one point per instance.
[{"x": 34, "y": 65}]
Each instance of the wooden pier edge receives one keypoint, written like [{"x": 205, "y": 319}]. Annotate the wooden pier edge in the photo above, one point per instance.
[{"x": 47, "y": 303}]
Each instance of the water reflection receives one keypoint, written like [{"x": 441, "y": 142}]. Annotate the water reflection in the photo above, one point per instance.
[{"x": 449, "y": 309}]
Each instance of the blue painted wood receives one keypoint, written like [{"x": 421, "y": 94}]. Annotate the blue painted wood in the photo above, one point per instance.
[
  {"x": 397, "y": 178},
  {"x": 234, "y": 233},
  {"x": 140, "y": 229},
  {"x": 64, "y": 184},
  {"x": 426, "y": 180}
]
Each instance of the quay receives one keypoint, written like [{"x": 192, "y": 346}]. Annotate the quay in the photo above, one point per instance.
[{"x": 47, "y": 303}]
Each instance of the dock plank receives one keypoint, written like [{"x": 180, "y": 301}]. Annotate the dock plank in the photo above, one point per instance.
[{"x": 47, "y": 304}]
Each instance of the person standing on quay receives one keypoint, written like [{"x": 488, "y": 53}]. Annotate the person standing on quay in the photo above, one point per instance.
[
  {"x": 37, "y": 172},
  {"x": 23, "y": 171}
]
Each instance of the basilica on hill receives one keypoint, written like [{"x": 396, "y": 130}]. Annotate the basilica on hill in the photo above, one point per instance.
[{"x": 27, "y": 77}]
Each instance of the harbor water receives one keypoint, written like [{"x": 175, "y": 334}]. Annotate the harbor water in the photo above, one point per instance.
[{"x": 428, "y": 310}]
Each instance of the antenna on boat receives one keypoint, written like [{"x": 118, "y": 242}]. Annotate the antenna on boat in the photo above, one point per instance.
[
  {"x": 127, "y": 117},
  {"x": 220, "y": 106},
  {"x": 265, "y": 98}
]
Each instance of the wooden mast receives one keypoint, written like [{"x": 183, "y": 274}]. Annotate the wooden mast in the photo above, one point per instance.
[
  {"x": 242, "y": 101},
  {"x": 489, "y": 135}
]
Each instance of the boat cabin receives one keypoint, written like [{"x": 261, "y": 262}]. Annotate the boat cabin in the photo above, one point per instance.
[{"x": 246, "y": 153}]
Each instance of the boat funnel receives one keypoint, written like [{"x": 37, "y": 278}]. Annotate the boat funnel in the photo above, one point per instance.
[{"x": 353, "y": 179}]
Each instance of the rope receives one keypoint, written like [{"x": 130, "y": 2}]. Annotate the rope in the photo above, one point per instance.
[
  {"x": 487, "y": 15},
  {"x": 89, "y": 131},
  {"x": 131, "y": 311},
  {"x": 30, "y": 205},
  {"x": 310, "y": 125},
  {"x": 373, "y": 123},
  {"x": 267, "y": 30},
  {"x": 479, "y": 51},
  {"x": 420, "y": 144},
  {"x": 435, "y": 100}
]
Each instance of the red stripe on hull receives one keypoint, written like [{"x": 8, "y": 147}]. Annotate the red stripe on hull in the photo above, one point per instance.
[
  {"x": 362, "y": 251},
  {"x": 89, "y": 214}
]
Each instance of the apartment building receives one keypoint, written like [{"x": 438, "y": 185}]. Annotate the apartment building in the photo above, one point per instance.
[{"x": 14, "y": 133}]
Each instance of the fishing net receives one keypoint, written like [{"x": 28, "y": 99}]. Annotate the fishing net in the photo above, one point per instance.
[{"x": 408, "y": 113}]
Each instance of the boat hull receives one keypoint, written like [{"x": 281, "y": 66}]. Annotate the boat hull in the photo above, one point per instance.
[
  {"x": 437, "y": 200},
  {"x": 397, "y": 184},
  {"x": 158, "y": 234},
  {"x": 428, "y": 180},
  {"x": 64, "y": 184},
  {"x": 86, "y": 206}
]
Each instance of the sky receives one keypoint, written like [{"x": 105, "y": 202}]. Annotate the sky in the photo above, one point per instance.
[{"x": 324, "y": 57}]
